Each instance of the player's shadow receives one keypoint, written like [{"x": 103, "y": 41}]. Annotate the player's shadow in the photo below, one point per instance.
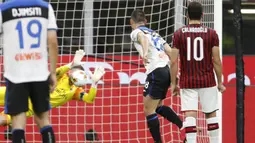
[
  {"x": 8, "y": 133},
  {"x": 91, "y": 136}
]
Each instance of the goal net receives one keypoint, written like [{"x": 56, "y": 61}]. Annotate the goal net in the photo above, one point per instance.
[{"x": 101, "y": 28}]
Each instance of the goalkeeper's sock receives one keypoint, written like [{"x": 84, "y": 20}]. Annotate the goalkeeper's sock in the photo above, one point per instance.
[
  {"x": 170, "y": 115},
  {"x": 191, "y": 129},
  {"x": 18, "y": 136},
  {"x": 47, "y": 134},
  {"x": 213, "y": 129},
  {"x": 153, "y": 125}
]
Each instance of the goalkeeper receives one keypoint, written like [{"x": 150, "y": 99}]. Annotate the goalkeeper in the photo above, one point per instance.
[{"x": 71, "y": 78}]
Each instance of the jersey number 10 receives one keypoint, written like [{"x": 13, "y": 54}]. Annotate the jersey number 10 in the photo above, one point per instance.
[
  {"x": 28, "y": 28},
  {"x": 195, "y": 48}
]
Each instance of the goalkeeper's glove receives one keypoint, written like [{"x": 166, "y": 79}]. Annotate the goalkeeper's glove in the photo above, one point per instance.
[
  {"x": 79, "y": 54},
  {"x": 97, "y": 75}
]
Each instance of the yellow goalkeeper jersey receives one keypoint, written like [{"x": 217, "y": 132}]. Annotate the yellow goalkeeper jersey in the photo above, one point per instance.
[{"x": 64, "y": 92}]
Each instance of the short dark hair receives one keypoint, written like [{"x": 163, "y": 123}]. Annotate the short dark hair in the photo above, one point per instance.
[
  {"x": 80, "y": 67},
  {"x": 138, "y": 16},
  {"x": 195, "y": 10}
]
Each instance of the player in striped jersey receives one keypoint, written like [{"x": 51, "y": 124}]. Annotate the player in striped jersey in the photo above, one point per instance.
[
  {"x": 151, "y": 47},
  {"x": 198, "y": 47},
  {"x": 28, "y": 26}
]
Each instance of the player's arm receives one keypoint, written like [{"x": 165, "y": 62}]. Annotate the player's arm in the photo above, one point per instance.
[
  {"x": 173, "y": 62},
  {"x": 79, "y": 54},
  {"x": 1, "y": 22},
  {"x": 52, "y": 40},
  {"x": 89, "y": 97},
  {"x": 217, "y": 63},
  {"x": 173, "y": 54},
  {"x": 216, "y": 58},
  {"x": 62, "y": 70},
  {"x": 143, "y": 40}
]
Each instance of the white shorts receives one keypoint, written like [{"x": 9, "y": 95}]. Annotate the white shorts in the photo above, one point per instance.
[{"x": 208, "y": 99}]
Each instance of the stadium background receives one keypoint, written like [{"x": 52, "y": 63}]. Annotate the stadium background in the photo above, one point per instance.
[{"x": 67, "y": 117}]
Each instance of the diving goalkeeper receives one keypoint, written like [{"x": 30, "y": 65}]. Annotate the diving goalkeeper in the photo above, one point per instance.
[{"x": 71, "y": 78}]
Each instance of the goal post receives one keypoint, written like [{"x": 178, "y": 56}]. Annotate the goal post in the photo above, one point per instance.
[
  {"x": 217, "y": 19},
  {"x": 218, "y": 24},
  {"x": 88, "y": 26}
]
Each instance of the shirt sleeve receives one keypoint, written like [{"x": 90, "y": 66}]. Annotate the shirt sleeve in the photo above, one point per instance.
[
  {"x": 215, "y": 39},
  {"x": 81, "y": 95},
  {"x": 175, "y": 40},
  {"x": 134, "y": 35},
  {"x": 61, "y": 71},
  {"x": 52, "y": 24},
  {"x": 163, "y": 41}
]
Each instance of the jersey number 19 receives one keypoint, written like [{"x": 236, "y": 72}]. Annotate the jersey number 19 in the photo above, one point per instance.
[
  {"x": 195, "y": 48},
  {"x": 28, "y": 28}
]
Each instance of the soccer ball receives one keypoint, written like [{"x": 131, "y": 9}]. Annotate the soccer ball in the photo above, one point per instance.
[{"x": 79, "y": 78}]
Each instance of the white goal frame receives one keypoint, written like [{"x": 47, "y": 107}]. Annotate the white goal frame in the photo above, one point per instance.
[{"x": 218, "y": 22}]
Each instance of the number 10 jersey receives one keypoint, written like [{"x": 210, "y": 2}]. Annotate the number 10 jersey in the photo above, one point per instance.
[
  {"x": 24, "y": 25},
  {"x": 195, "y": 43}
]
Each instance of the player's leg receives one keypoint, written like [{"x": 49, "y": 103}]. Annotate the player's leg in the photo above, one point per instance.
[
  {"x": 2, "y": 95},
  {"x": 189, "y": 104},
  {"x": 169, "y": 114},
  {"x": 155, "y": 89},
  {"x": 209, "y": 102},
  {"x": 16, "y": 104},
  {"x": 40, "y": 100},
  {"x": 4, "y": 118},
  {"x": 150, "y": 106},
  {"x": 152, "y": 96},
  {"x": 166, "y": 111}
]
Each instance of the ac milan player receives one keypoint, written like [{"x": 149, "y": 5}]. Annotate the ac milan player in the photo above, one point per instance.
[{"x": 198, "y": 47}]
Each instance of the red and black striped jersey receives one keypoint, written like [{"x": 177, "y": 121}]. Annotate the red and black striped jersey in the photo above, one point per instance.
[{"x": 195, "y": 43}]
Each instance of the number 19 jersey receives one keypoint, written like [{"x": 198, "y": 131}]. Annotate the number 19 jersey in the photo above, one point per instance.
[
  {"x": 24, "y": 25},
  {"x": 195, "y": 43}
]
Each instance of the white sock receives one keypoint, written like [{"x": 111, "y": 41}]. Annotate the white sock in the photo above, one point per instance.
[
  {"x": 191, "y": 129},
  {"x": 213, "y": 129}
]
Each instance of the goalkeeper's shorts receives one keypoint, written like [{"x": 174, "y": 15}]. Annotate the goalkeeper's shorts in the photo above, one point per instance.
[
  {"x": 157, "y": 83},
  {"x": 16, "y": 98}
]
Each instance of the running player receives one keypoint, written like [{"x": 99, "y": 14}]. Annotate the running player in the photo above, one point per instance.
[
  {"x": 28, "y": 26},
  {"x": 198, "y": 47},
  {"x": 69, "y": 87},
  {"x": 151, "y": 48}
]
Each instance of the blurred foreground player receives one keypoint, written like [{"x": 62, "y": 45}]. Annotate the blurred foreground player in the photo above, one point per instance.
[
  {"x": 71, "y": 78},
  {"x": 28, "y": 26},
  {"x": 199, "y": 56},
  {"x": 151, "y": 47}
]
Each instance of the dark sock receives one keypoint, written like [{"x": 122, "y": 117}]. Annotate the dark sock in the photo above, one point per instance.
[
  {"x": 153, "y": 124},
  {"x": 18, "y": 136},
  {"x": 47, "y": 134},
  {"x": 170, "y": 115}
]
